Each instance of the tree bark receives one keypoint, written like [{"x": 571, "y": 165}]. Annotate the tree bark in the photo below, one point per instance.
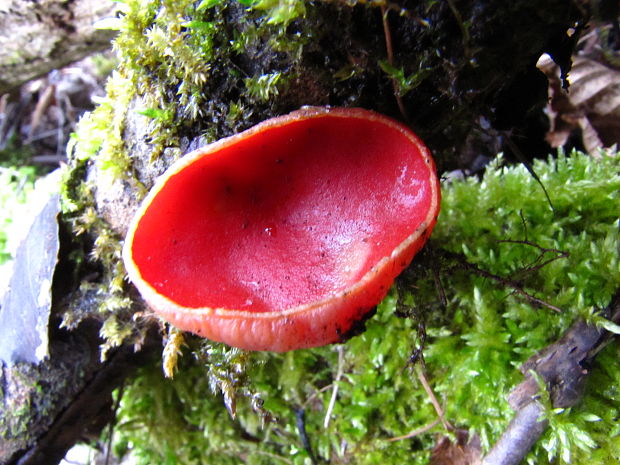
[
  {"x": 37, "y": 36},
  {"x": 67, "y": 398}
]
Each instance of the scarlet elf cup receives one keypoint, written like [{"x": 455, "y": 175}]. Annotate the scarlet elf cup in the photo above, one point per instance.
[{"x": 285, "y": 235}]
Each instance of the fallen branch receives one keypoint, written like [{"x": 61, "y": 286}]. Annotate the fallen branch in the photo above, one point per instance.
[
  {"x": 563, "y": 366},
  {"x": 40, "y": 36},
  {"x": 520, "y": 436},
  {"x": 90, "y": 406}
]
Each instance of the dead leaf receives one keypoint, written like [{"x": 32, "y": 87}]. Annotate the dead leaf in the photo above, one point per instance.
[
  {"x": 591, "y": 107},
  {"x": 465, "y": 451}
]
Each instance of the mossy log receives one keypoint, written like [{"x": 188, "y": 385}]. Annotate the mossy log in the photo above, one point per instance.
[
  {"x": 42, "y": 35},
  {"x": 461, "y": 73}
]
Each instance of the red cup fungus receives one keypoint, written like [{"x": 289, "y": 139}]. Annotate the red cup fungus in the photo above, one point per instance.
[{"x": 285, "y": 235}]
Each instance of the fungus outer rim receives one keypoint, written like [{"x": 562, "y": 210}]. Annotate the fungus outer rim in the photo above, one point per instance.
[{"x": 167, "y": 306}]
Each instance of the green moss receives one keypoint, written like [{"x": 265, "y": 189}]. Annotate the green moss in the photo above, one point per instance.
[
  {"x": 14, "y": 154},
  {"x": 405, "y": 83},
  {"x": 180, "y": 55},
  {"x": 473, "y": 345},
  {"x": 173, "y": 56},
  {"x": 98, "y": 143},
  {"x": 493, "y": 329},
  {"x": 281, "y": 12},
  {"x": 263, "y": 87}
]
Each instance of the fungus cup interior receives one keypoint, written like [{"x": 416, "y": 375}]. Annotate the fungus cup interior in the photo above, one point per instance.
[{"x": 289, "y": 217}]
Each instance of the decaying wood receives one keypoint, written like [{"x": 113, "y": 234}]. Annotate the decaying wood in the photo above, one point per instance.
[
  {"x": 91, "y": 409},
  {"x": 37, "y": 36},
  {"x": 76, "y": 402},
  {"x": 521, "y": 434},
  {"x": 564, "y": 367}
]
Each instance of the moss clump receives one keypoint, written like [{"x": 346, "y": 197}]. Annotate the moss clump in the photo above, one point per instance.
[
  {"x": 473, "y": 344},
  {"x": 187, "y": 61},
  {"x": 156, "y": 54},
  {"x": 500, "y": 224}
]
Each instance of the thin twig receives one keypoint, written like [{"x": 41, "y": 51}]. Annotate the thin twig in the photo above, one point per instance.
[
  {"x": 390, "y": 58},
  {"x": 517, "y": 153},
  {"x": 438, "y": 284},
  {"x": 416, "y": 432},
  {"x": 463, "y": 27},
  {"x": 332, "y": 401},
  {"x": 562, "y": 253},
  {"x": 388, "y": 35},
  {"x": 536, "y": 265},
  {"x": 300, "y": 414},
  {"x": 315, "y": 394},
  {"x": 516, "y": 287},
  {"x": 524, "y": 224},
  {"x": 562, "y": 366},
  {"x": 396, "y": 8},
  {"x": 273, "y": 456},
  {"x": 418, "y": 352},
  {"x": 429, "y": 391}
]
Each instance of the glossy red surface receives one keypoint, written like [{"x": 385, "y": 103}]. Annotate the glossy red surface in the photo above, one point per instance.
[{"x": 285, "y": 218}]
